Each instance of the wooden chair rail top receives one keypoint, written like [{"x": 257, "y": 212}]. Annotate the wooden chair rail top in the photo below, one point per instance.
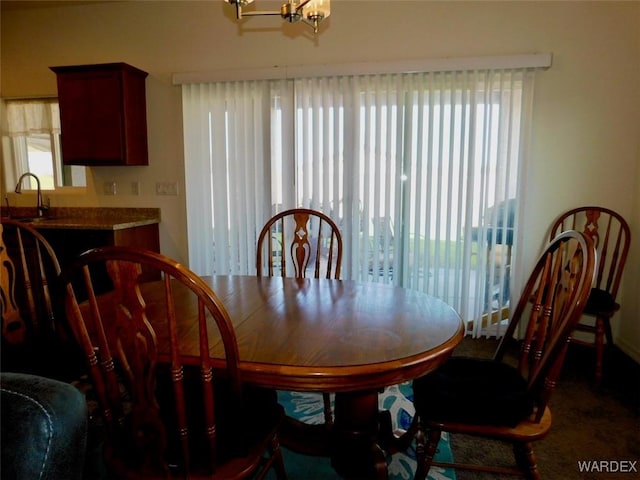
[{"x": 320, "y": 334}]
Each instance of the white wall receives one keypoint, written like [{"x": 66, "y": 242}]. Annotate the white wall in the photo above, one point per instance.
[{"x": 585, "y": 145}]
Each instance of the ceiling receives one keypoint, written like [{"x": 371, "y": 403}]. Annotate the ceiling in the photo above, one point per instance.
[{"x": 27, "y": 4}]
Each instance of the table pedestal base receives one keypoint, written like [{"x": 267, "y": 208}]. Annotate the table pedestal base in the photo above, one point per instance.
[
  {"x": 355, "y": 449},
  {"x": 356, "y": 442}
]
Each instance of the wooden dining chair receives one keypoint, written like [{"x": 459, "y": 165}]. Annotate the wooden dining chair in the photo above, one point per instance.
[
  {"x": 301, "y": 243},
  {"x": 507, "y": 399},
  {"x": 35, "y": 335},
  {"x": 611, "y": 236},
  {"x": 166, "y": 414}
]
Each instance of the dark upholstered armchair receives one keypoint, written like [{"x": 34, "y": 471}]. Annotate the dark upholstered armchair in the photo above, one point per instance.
[{"x": 44, "y": 428}]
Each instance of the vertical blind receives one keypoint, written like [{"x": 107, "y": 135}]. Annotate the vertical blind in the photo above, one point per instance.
[{"x": 420, "y": 171}]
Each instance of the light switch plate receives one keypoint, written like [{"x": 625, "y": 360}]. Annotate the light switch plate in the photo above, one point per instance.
[
  {"x": 166, "y": 188},
  {"x": 109, "y": 188}
]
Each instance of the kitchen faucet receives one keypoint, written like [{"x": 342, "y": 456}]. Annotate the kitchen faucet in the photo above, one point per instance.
[{"x": 41, "y": 207}]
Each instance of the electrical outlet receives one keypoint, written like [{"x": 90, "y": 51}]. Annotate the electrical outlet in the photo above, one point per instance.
[
  {"x": 135, "y": 188},
  {"x": 109, "y": 188},
  {"x": 166, "y": 188}
]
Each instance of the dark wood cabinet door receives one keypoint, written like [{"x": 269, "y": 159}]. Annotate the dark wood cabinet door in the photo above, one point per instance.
[{"x": 103, "y": 114}]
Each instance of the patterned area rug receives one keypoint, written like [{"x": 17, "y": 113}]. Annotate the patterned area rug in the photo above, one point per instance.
[{"x": 397, "y": 399}]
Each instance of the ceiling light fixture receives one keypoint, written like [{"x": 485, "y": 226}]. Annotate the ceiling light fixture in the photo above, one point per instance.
[{"x": 311, "y": 12}]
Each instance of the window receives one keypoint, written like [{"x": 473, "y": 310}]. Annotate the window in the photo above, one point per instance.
[
  {"x": 31, "y": 143},
  {"x": 420, "y": 171}
]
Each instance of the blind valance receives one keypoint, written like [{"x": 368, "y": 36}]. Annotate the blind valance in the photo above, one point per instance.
[{"x": 537, "y": 60}]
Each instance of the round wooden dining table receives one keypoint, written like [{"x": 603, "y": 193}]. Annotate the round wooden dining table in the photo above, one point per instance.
[{"x": 345, "y": 337}]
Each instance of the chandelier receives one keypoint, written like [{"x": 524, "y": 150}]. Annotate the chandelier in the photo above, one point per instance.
[{"x": 311, "y": 12}]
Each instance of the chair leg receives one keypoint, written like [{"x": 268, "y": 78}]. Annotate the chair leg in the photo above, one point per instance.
[
  {"x": 402, "y": 440},
  {"x": 425, "y": 453},
  {"x": 278, "y": 460},
  {"x": 526, "y": 460},
  {"x": 600, "y": 332},
  {"x": 607, "y": 331},
  {"x": 328, "y": 414}
]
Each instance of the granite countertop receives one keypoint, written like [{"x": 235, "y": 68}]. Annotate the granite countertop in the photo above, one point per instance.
[{"x": 86, "y": 218}]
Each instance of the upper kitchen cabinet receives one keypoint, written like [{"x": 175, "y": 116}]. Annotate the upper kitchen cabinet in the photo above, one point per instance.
[{"x": 103, "y": 114}]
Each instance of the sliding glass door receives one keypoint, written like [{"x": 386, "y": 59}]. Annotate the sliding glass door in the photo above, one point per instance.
[{"x": 419, "y": 170}]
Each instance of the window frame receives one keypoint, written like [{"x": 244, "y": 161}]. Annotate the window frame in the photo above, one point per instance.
[{"x": 15, "y": 149}]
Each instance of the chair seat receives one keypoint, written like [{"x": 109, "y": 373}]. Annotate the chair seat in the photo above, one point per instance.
[
  {"x": 474, "y": 391},
  {"x": 601, "y": 303},
  {"x": 239, "y": 428},
  {"x": 527, "y": 430},
  {"x": 261, "y": 413}
]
